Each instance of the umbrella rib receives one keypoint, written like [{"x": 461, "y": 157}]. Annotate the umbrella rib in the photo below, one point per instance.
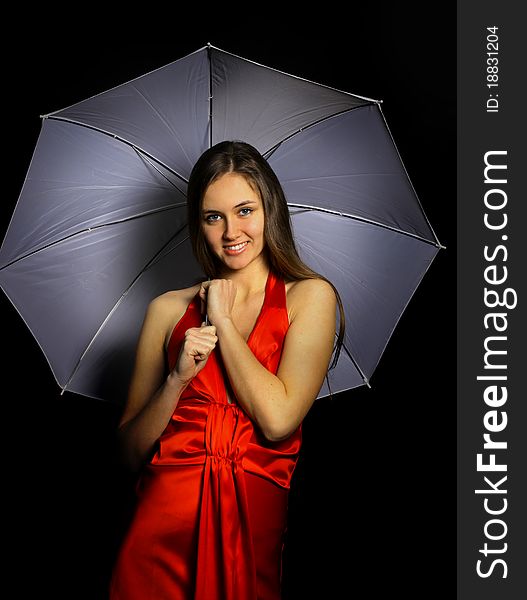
[
  {"x": 438, "y": 244},
  {"x": 402, "y": 312},
  {"x": 154, "y": 166},
  {"x": 120, "y": 139},
  {"x": 356, "y": 365},
  {"x": 268, "y": 153},
  {"x": 309, "y": 208},
  {"x": 121, "y": 298},
  {"x": 88, "y": 229}
]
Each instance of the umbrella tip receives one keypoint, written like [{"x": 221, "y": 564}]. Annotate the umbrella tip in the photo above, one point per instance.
[{"x": 366, "y": 381}]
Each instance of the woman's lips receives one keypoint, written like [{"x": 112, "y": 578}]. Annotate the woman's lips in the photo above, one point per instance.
[{"x": 235, "y": 249}]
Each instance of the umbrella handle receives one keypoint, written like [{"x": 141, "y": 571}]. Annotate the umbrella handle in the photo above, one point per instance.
[{"x": 206, "y": 315}]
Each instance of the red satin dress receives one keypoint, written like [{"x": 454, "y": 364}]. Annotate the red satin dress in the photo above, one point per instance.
[{"x": 212, "y": 502}]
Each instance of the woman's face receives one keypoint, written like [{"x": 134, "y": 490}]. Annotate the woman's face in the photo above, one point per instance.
[{"x": 233, "y": 221}]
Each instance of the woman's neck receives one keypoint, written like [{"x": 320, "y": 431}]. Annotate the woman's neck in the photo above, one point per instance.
[{"x": 249, "y": 280}]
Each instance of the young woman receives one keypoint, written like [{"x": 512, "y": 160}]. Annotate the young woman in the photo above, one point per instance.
[{"x": 215, "y": 406}]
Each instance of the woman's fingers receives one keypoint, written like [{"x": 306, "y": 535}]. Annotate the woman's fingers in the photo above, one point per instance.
[
  {"x": 206, "y": 329},
  {"x": 200, "y": 341},
  {"x": 197, "y": 346}
]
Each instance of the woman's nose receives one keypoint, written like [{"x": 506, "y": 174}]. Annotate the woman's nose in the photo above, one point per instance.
[{"x": 231, "y": 231}]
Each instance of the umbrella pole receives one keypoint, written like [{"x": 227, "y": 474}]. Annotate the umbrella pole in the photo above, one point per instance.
[{"x": 209, "y": 55}]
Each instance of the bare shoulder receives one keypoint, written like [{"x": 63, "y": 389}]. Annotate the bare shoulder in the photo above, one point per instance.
[
  {"x": 174, "y": 298},
  {"x": 309, "y": 294},
  {"x": 168, "y": 308},
  {"x": 305, "y": 290}
]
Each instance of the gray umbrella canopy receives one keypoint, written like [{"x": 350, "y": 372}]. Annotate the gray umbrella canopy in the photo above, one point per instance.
[{"x": 100, "y": 229}]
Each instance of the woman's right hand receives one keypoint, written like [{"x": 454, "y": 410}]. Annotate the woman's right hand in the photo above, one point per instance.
[{"x": 199, "y": 342}]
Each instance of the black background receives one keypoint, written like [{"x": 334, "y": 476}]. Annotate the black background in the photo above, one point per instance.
[{"x": 373, "y": 497}]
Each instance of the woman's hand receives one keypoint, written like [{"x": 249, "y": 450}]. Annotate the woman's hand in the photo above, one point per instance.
[
  {"x": 217, "y": 299},
  {"x": 199, "y": 342}
]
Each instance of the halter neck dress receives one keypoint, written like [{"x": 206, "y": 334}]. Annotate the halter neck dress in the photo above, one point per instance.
[{"x": 212, "y": 502}]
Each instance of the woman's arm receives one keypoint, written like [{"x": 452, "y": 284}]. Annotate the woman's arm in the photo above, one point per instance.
[
  {"x": 278, "y": 403},
  {"x": 152, "y": 398}
]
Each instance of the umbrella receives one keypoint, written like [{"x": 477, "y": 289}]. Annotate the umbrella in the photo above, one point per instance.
[{"x": 100, "y": 225}]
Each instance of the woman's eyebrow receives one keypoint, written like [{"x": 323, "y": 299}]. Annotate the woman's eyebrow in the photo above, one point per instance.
[{"x": 243, "y": 203}]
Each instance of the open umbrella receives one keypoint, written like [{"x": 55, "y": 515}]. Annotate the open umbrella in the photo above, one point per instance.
[{"x": 100, "y": 226}]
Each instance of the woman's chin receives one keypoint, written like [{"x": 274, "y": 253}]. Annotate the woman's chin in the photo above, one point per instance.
[
  {"x": 235, "y": 264},
  {"x": 241, "y": 261}
]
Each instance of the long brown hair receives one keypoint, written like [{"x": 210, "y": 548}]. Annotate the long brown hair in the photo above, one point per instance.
[{"x": 281, "y": 253}]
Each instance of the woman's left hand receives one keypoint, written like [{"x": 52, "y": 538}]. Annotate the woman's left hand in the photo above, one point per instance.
[{"x": 217, "y": 299}]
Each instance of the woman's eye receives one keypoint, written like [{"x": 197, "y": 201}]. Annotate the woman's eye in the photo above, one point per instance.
[
  {"x": 250, "y": 210},
  {"x": 212, "y": 218}
]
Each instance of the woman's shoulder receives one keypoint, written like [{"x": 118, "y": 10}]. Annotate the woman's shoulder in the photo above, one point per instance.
[
  {"x": 313, "y": 291},
  {"x": 310, "y": 286},
  {"x": 173, "y": 300},
  {"x": 167, "y": 309}
]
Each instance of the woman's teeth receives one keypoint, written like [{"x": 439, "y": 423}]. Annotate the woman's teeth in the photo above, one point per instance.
[{"x": 237, "y": 247}]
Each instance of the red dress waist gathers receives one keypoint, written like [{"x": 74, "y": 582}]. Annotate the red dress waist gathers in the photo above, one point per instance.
[{"x": 212, "y": 502}]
